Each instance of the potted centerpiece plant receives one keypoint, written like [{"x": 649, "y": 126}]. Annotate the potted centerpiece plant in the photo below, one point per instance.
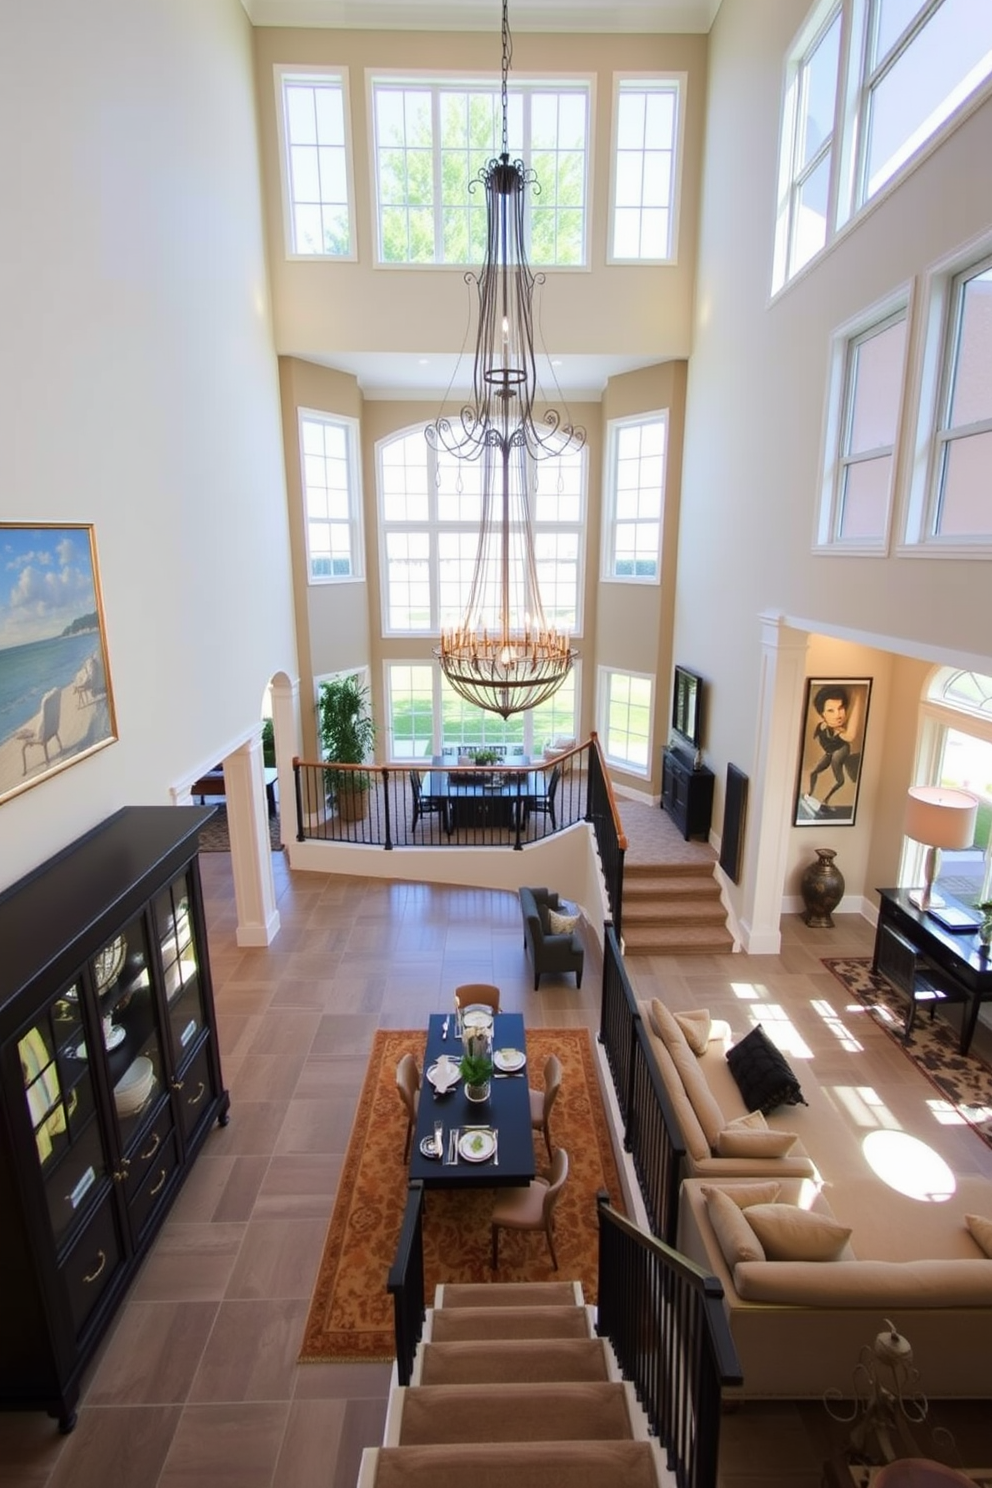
[
  {"x": 347, "y": 737},
  {"x": 477, "y": 1066}
]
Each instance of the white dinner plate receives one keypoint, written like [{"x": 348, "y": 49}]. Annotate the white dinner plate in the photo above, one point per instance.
[
  {"x": 509, "y": 1059},
  {"x": 477, "y": 1146},
  {"x": 444, "y": 1074},
  {"x": 427, "y": 1147},
  {"x": 477, "y": 1018}
]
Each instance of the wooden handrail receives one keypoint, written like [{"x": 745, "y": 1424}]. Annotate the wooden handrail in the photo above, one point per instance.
[{"x": 617, "y": 823}]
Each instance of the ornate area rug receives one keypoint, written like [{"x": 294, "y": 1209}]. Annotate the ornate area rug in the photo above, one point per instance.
[
  {"x": 351, "y": 1313},
  {"x": 215, "y": 837},
  {"x": 963, "y": 1079}
]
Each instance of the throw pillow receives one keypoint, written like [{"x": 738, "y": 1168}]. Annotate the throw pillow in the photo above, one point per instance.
[
  {"x": 744, "y": 1143},
  {"x": 562, "y": 924},
  {"x": 791, "y": 1234},
  {"x": 753, "y": 1121},
  {"x": 735, "y": 1237},
  {"x": 981, "y": 1229},
  {"x": 744, "y": 1194},
  {"x": 664, "y": 1024},
  {"x": 762, "y": 1073},
  {"x": 696, "y": 1026}
]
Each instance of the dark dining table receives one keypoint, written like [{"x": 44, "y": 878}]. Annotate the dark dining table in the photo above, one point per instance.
[
  {"x": 478, "y": 796},
  {"x": 507, "y": 1112}
]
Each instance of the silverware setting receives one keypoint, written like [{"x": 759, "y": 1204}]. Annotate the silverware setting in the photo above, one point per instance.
[
  {"x": 508, "y": 1075},
  {"x": 444, "y": 1029}
]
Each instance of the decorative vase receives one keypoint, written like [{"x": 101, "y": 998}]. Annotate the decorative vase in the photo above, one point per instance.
[
  {"x": 822, "y": 888},
  {"x": 477, "y": 1092}
]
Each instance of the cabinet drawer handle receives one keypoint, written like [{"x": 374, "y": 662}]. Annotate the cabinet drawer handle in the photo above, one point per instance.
[
  {"x": 103, "y": 1261},
  {"x": 194, "y": 1100},
  {"x": 158, "y": 1187},
  {"x": 178, "y": 1084},
  {"x": 156, "y": 1144}
]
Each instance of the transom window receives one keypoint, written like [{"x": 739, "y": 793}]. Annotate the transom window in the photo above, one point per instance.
[
  {"x": 430, "y": 512},
  {"x": 625, "y": 707},
  {"x": 645, "y": 169},
  {"x": 316, "y": 163},
  {"x": 913, "y": 66},
  {"x": 862, "y": 426},
  {"x": 431, "y": 140},
  {"x": 634, "y": 498},
  {"x": 331, "y": 497},
  {"x": 426, "y": 715}
]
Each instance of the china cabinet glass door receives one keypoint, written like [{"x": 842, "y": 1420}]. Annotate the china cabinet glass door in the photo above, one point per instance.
[
  {"x": 130, "y": 1028},
  {"x": 180, "y": 968}
]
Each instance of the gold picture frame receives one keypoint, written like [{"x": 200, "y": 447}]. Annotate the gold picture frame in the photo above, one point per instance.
[{"x": 56, "y": 700}]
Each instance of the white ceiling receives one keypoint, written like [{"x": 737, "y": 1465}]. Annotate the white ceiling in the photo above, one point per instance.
[
  {"x": 484, "y": 15},
  {"x": 406, "y": 376}
]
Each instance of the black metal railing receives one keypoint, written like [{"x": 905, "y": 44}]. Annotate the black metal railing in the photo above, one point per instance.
[
  {"x": 406, "y": 1283},
  {"x": 665, "y": 1321},
  {"x": 444, "y": 804},
  {"x": 651, "y": 1133},
  {"x": 610, "y": 838}
]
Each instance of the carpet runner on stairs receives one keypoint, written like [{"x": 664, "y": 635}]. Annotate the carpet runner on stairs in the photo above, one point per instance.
[
  {"x": 673, "y": 910},
  {"x": 497, "y": 1399}
]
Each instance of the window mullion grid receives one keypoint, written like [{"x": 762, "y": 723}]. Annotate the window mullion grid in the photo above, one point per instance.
[
  {"x": 875, "y": 72},
  {"x": 798, "y": 182},
  {"x": 436, "y": 174}
]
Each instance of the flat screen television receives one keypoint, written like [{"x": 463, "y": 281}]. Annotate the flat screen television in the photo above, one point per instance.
[{"x": 687, "y": 698}]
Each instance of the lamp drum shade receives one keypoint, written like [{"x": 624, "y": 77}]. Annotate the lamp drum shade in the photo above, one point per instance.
[{"x": 940, "y": 817}]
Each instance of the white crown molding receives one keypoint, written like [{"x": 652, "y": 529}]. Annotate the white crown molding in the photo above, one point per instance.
[{"x": 632, "y": 16}]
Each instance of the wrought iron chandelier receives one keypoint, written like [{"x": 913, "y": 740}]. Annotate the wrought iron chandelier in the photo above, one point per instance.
[{"x": 503, "y": 655}]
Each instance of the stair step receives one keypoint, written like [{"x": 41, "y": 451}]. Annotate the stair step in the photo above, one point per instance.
[
  {"x": 455, "y": 1324},
  {"x": 675, "y": 868},
  {"x": 693, "y": 886},
  {"x": 508, "y": 1294},
  {"x": 593, "y": 1464},
  {"x": 676, "y": 940},
  {"x": 515, "y": 1412},
  {"x": 679, "y": 911},
  {"x": 501, "y": 1361}
]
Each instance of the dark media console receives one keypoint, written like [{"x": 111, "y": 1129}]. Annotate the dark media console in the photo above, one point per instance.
[{"x": 686, "y": 792}]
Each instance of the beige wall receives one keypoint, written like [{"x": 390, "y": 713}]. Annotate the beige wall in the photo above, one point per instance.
[
  {"x": 321, "y": 308},
  {"x": 138, "y": 386},
  {"x": 755, "y": 407}
]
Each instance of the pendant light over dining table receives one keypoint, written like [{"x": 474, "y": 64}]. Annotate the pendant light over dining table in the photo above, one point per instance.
[{"x": 504, "y": 655}]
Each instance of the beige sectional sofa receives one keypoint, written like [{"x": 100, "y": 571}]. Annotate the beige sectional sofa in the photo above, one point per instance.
[{"x": 798, "y": 1324}]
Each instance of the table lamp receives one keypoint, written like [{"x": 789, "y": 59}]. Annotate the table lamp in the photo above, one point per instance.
[{"x": 938, "y": 817}]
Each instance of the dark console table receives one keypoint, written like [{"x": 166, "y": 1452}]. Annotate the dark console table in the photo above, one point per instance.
[
  {"x": 686, "y": 793},
  {"x": 956, "y": 958}
]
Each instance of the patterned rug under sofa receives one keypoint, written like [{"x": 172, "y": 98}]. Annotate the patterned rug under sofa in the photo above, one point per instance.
[{"x": 965, "y": 1080}]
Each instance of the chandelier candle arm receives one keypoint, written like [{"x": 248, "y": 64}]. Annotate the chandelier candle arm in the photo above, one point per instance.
[{"x": 503, "y": 655}]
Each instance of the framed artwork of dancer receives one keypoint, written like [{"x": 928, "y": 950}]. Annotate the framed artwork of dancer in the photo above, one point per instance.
[{"x": 830, "y": 751}]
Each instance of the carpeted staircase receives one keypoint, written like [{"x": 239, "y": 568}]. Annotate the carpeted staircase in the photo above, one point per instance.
[
  {"x": 673, "y": 909},
  {"x": 511, "y": 1385}
]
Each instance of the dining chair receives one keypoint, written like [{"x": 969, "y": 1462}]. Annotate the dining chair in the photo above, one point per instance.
[
  {"x": 545, "y": 804},
  {"x": 408, "y": 1085},
  {"x": 533, "y": 1207},
  {"x": 541, "y": 1101},
  {"x": 424, "y": 805},
  {"x": 476, "y": 992}
]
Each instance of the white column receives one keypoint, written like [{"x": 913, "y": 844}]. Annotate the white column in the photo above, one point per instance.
[
  {"x": 780, "y": 693},
  {"x": 251, "y": 851},
  {"x": 285, "y": 695}
]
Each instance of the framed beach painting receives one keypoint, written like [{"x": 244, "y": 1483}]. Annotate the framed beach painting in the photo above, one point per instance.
[
  {"x": 56, "y": 703},
  {"x": 830, "y": 751}
]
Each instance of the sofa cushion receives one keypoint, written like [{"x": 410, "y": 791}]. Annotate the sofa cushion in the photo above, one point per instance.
[
  {"x": 745, "y": 1193},
  {"x": 736, "y": 1238},
  {"x": 696, "y": 1026},
  {"x": 708, "y": 1113},
  {"x": 663, "y": 1021},
  {"x": 981, "y": 1229},
  {"x": 762, "y": 1073},
  {"x": 739, "y": 1141},
  {"x": 866, "y": 1284},
  {"x": 692, "y": 1133},
  {"x": 792, "y": 1234}
]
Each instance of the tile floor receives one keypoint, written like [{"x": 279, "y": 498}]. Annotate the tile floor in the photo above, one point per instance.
[{"x": 197, "y": 1384}]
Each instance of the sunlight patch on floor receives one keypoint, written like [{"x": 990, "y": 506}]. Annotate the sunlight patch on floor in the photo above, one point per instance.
[
  {"x": 836, "y": 1025},
  {"x": 781, "y": 1030},
  {"x": 866, "y": 1107},
  {"x": 909, "y": 1166}
]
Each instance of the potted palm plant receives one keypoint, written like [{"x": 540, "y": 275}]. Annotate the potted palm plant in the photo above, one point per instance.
[
  {"x": 477, "y": 1065},
  {"x": 347, "y": 737}
]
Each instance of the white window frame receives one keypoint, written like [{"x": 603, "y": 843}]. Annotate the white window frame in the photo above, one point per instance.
[
  {"x": 313, "y": 77},
  {"x": 931, "y": 374},
  {"x": 531, "y": 745},
  {"x": 848, "y": 196},
  {"x": 605, "y": 673},
  {"x": 350, "y": 428},
  {"x": 675, "y": 83},
  {"x": 839, "y": 407},
  {"x": 614, "y": 428},
  {"x": 520, "y": 84},
  {"x": 433, "y": 527}
]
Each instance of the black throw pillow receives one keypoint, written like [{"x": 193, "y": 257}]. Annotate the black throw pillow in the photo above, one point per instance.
[{"x": 762, "y": 1073}]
